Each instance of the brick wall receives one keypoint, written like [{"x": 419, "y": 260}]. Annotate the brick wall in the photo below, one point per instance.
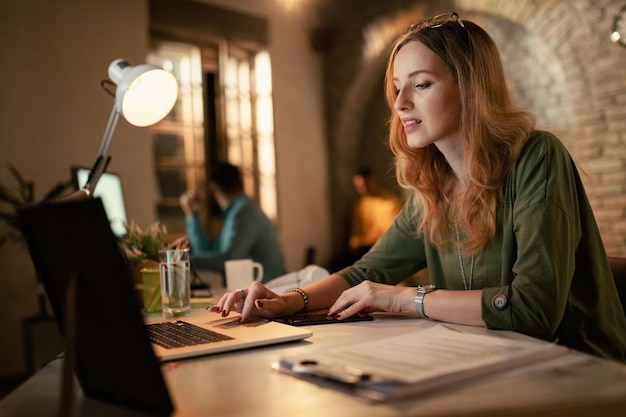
[{"x": 560, "y": 64}]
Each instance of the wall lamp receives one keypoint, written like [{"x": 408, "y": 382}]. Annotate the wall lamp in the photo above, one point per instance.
[
  {"x": 145, "y": 94},
  {"x": 618, "y": 33}
]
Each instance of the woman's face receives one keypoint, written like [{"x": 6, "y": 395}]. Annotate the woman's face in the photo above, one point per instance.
[{"x": 427, "y": 99}]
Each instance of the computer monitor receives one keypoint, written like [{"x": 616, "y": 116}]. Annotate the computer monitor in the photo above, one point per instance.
[{"x": 109, "y": 189}]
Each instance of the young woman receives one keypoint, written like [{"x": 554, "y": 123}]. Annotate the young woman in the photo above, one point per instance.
[{"x": 497, "y": 213}]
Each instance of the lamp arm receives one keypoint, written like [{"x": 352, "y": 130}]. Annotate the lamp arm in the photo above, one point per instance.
[
  {"x": 108, "y": 132},
  {"x": 123, "y": 75},
  {"x": 102, "y": 159},
  {"x": 99, "y": 167}
]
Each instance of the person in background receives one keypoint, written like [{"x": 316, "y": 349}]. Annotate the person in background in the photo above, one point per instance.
[
  {"x": 373, "y": 212},
  {"x": 497, "y": 211},
  {"x": 247, "y": 233}
]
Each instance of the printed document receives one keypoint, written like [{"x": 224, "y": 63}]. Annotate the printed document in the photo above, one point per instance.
[{"x": 416, "y": 362}]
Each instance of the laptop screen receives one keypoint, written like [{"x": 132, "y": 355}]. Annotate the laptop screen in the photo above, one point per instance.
[
  {"x": 71, "y": 242},
  {"x": 109, "y": 189}
]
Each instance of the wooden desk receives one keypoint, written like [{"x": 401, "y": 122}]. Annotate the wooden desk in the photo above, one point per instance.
[{"x": 243, "y": 384}]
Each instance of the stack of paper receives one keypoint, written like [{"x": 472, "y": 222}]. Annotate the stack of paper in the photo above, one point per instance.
[{"x": 416, "y": 362}]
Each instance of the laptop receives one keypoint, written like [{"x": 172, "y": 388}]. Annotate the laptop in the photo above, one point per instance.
[{"x": 71, "y": 242}]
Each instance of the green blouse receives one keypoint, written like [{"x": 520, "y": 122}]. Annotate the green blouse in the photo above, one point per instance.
[{"x": 547, "y": 260}]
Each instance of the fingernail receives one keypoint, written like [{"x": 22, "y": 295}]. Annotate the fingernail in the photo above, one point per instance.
[
  {"x": 337, "y": 316},
  {"x": 238, "y": 321},
  {"x": 259, "y": 304},
  {"x": 223, "y": 313}
]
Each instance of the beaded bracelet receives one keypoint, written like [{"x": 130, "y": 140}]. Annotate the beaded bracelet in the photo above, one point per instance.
[{"x": 304, "y": 295}]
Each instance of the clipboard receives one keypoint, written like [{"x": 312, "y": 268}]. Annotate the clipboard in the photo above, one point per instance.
[{"x": 415, "y": 363}]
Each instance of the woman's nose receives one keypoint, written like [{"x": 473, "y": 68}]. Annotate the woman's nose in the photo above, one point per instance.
[{"x": 402, "y": 101}]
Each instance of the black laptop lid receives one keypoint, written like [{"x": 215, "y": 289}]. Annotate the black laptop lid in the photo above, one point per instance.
[{"x": 114, "y": 358}]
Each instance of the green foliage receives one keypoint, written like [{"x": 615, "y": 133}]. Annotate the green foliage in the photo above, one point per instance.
[
  {"x": 144, "y": 245},
  {"x": 24, "y": 195}
]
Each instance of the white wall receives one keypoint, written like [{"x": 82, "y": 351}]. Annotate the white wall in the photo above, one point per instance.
[{"x": 53, "y": 114}]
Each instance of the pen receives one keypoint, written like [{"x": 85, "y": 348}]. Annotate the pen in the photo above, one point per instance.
[{"x": 343, "y": 374}]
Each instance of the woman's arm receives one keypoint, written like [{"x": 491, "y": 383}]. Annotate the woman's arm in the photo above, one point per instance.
[
  {"x": 459, "y": 307},
  {"x": 258, "y": 301},
  {"x": 322, "y": 294},
  {"x": 450, "y": 306}
]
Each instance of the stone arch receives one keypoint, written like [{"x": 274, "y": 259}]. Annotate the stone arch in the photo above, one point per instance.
[
  {"x": 563, "y": 76},
  {"x": 558, "y": 66}
]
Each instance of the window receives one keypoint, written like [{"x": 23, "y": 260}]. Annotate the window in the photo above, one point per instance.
[
  {"x": 178, "y": 141},
  {"x": 224, "y": 112},
  {"x": 250, "y": 124}
]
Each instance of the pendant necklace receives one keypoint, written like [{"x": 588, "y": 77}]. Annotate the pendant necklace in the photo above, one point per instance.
[{"x": 471, "y": 276}]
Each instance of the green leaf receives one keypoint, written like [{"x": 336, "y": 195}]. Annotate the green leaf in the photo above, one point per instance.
[
  {"x": 8, "y": 197},
  {"x": 11, "y": 219},
  {"x": 57, "y": 191},
  {"x": 140, "y": 245},
  {"x": 26, "y": 188},
  {"x": 24, "y": 195}
]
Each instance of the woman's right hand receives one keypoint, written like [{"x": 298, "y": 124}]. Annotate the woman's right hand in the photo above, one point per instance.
[{"x": 255, "y": 301}]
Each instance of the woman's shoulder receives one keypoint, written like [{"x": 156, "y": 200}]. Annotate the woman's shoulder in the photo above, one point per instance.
[
  {"x": 542, "y": 146},
  {"x": 543, "y": 162},
  {"x": 541, "y": 141}
]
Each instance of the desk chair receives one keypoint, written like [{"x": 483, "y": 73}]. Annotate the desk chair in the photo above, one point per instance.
[{"x": 618, "y": 267}]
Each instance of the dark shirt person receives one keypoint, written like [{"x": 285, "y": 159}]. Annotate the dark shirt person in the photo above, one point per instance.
[{"x": 247, "y": 233}]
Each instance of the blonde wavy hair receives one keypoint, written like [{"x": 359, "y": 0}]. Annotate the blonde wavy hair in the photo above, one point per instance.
[{"x": 492, "y": 128}]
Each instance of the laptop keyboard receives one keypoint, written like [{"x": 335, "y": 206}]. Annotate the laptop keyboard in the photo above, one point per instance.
[{"x": 177, "y": 334}]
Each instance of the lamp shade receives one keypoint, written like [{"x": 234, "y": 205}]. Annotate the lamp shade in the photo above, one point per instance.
[{"x": 145, "y": 93}]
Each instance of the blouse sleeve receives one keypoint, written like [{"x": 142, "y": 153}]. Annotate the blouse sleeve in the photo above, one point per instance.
[{"x": 541, "y": 211}]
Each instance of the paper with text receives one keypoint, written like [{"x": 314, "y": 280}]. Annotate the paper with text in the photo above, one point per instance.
[{"x": 420, "y": 360}]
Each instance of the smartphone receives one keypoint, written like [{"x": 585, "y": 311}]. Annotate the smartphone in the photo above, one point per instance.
[{"x": 318, "y": 318}]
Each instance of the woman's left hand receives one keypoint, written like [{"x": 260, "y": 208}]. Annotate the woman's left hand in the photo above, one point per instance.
[{"x": 368, "y": 297}]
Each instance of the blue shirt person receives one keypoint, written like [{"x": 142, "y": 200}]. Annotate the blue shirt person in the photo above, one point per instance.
[{"x": 247, "y": 233}]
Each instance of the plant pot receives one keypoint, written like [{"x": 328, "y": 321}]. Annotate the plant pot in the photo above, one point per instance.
[{"x": 151, "y": 290}]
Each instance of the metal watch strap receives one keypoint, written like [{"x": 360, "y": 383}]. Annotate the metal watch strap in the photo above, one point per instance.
[{"x": 422, "y": 290}]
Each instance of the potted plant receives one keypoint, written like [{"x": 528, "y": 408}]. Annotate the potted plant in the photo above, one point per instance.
[
  {"x": 142, "y": 251},
  {"x": 24, "y": 194}
]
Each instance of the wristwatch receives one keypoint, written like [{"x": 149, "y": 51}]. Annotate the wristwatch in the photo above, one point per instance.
[{"x": 422, "y": 290}]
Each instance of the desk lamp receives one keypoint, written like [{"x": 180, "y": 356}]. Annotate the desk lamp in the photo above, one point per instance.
[{"x": 145, "y": 94}]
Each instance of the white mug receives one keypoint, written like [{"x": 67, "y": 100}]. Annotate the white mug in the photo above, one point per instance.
[{"x": 240, "y": 273}]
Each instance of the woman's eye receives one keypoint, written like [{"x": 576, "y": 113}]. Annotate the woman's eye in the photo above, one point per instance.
[
  {"x": 396, "y": 92},
  {"x": 423, "y": 86}
]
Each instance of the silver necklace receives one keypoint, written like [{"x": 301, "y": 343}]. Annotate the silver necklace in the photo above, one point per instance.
[{"x": 471, "y": 276}]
